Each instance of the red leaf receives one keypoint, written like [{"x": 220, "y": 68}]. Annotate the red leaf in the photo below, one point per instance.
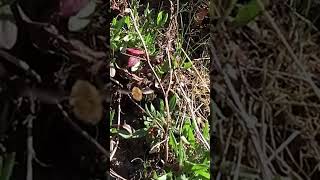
[
  {"x": 132, "y": 61},
  {"x": 134, "y": 51}
]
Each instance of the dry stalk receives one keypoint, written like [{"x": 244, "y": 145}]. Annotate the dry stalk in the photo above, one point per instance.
[
  {"x": 237, "y": 169},
  {"x": 157, "y": 78},
  {"x": 82, "y": 132},
  {"x": 249, "y": 121},
  {"x": 194, "y": 120},
  {"x": 112, "y": 172},
  {"x": 289, "y": 49}
]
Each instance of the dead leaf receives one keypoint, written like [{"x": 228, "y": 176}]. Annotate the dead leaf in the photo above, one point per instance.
[{"x": 86, "y": 102}]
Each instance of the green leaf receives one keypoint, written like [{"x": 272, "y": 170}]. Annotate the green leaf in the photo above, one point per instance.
[
  {"x": 164, "y": 19},
  {"x": 188, "y": 132},
  {"x": 183, "y": 177},
  {"x": 165, "y": 67},
  {"x": 127, "y": 21},
  {"x": 167, "y": 176},
  {"x": 147, "y": 110},
  {"x": 139, "y": 133},
  {"x": 204, "y": 174},
  {"x": 152, "y": 109},
  {"x": 111, "y": 116},
  {"x": 114, "y": 22},
  {"x": 182, "y": 153},
  {"x": 247, "y": 13},
  {"x": 146, "y": 11},
  {"x": 125, "y": 134},
  {"x": 159, "y": 17},
  {"x": 206, "y": 131},
  {"x": 173, "y": 102},
  {"x": 126, "y": 38},
  {"x": 161, "y": 106},
  {"x": 202, "y": 170},
  {"x": 113, "y": 130},
  {"x": 119, "y": 24},
  {"x": 172, "y": 141},
  {"x": 187, "y": 65}
]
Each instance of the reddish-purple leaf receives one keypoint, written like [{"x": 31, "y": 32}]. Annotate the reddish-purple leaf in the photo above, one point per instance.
[
  {"x": 71, "y": 7},
  {"x": 132, "y": 61},
  {"x": 134, "y": 51}
]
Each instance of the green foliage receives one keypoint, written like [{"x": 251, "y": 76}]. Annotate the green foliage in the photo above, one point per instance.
[
  {"x": 193, "y": 159},
  {"x": 155, "y": 117},
  {"x": 131, "y": 135},
  {"x": 190, "y": 155},
  {"x": 247, "y": 13},
  {"x": 123, "y": 33},
  {"x": 173, "y": 102}
]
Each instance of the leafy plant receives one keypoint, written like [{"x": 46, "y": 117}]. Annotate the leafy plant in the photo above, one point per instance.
[
  {"x": 193, "y": 159},
  {"x": 123, "y": 33}
]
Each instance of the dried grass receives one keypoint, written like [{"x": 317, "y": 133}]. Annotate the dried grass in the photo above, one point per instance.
[{"x": 272, "y": 90}]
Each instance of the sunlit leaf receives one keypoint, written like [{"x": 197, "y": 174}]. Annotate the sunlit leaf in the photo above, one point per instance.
[
  {"x": 127, "y": 21},
  {"x": 159, "y": 18},
  {"x": 206, "y": 131},
  {"x": 187, "y": 65},
  {"x": 152, "y": 109},
  {"x": 124, "y": 134}
]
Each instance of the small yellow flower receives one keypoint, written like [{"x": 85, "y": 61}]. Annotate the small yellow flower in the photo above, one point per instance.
[{"x": 136, "y": 93}]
